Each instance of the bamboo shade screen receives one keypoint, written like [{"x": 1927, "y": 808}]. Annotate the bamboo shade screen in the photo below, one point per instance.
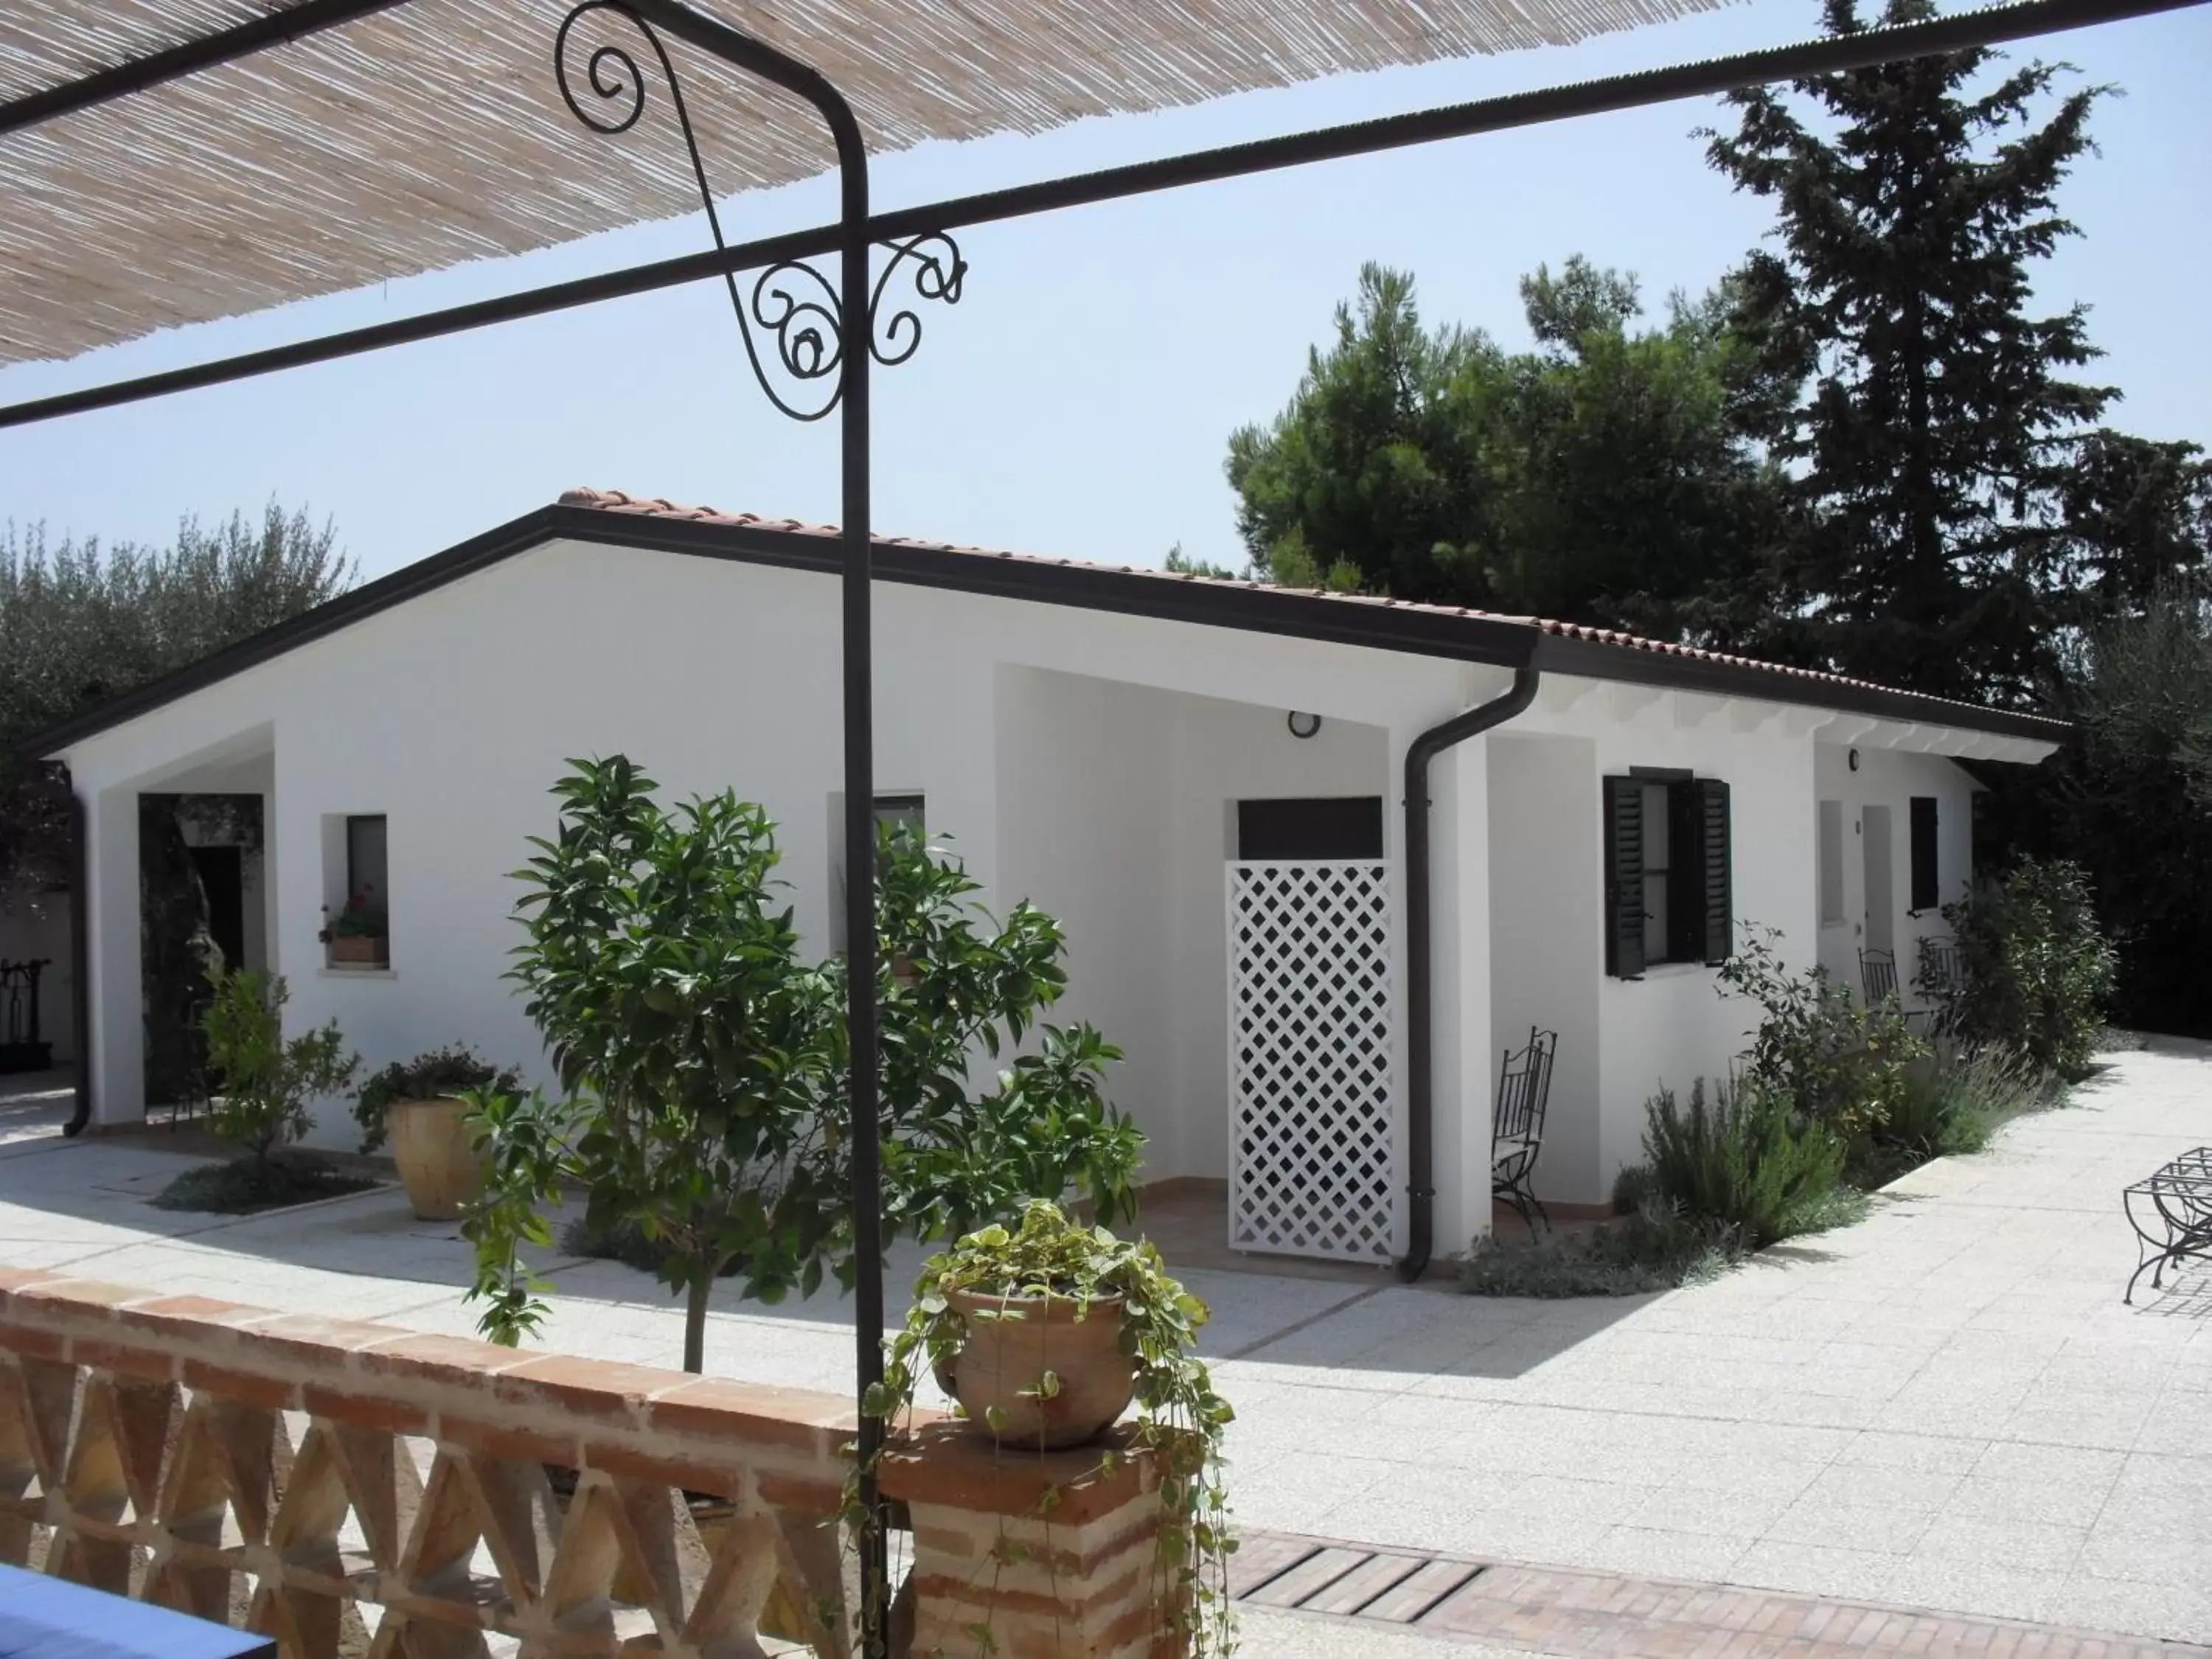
[{"x": 421, "y": 137}]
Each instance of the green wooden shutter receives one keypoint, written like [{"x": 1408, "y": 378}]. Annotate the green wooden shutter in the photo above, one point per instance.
[
  {"x": 1623, "y": 878},
  {"x": 1715, "y": 856},
  {"x": 1926, "y": 891}
]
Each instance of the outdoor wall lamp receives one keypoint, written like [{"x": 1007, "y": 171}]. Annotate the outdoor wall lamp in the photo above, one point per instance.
[{"x": 1304, "y": 726}]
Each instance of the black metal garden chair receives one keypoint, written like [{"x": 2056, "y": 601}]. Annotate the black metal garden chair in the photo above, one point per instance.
[
  {"x": 1878, "y": 977},
  {"x": 1940, "y": 978},
  {"x": 1516, "y": 1129}
]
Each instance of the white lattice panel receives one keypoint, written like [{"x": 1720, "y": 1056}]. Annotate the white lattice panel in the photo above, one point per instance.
[{"x": 1312, "y": 1123}]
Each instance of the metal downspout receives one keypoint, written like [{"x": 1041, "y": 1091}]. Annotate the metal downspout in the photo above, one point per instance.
[
  {"x": 1421, "y": 968},
  {"x": 80, "y": 961}
]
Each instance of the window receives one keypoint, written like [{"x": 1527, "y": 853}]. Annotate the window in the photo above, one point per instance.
[
  {"x": 900, "y": 815},
  {"x": 905, "y": 813},
  {"x": 1668, "y": 895},
  {"x": 1927, "y": 871},
  {"x": 1328, "y": 827},
  {"x": 366, "y": 867},
  {"x": 1832, "y": 863},
  {"x": 357, "y": 924}
]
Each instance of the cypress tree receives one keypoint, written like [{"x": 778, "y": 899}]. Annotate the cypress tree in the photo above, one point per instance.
[{"x": 1933, "y": 445}]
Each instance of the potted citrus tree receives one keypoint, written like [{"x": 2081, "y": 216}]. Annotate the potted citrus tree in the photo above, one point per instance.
[
  {"x": 358, "y": 935},
  {"x": 417, "y": 1104}
]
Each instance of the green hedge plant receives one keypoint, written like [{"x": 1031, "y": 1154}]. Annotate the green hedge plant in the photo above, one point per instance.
[
  {"x": 1745, "y": 1159},
  {"x": 268, "y": 1081},
  {"x": 2036, "y": 967},
  {"x": 1837, "y": 1064}
]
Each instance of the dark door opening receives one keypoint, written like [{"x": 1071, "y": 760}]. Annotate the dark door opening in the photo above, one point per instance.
[
  {"x": 222, "y": 878},
  {"x": 1319, "y": 827}
]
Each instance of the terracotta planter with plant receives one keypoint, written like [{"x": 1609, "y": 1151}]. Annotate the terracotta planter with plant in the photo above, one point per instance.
[
  {"x": 417, "y": 1105},
  {"x": 1044, "y": 1335},
  {"x": 357, "y": 935}
]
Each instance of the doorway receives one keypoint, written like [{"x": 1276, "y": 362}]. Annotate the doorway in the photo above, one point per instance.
[
  {"x": 222, "y": 878},
  {"x": 1881, "y": 895}
]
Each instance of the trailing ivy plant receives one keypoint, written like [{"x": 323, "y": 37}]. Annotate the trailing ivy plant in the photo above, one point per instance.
[{"x": 1180, "y": 1416}]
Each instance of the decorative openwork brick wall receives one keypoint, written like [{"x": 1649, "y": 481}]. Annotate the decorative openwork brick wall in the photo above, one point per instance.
[{"x": 154, "y": 1446}]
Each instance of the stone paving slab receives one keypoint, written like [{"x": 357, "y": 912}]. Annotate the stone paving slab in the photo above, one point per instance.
[{"x": 1946, "y": 1406}]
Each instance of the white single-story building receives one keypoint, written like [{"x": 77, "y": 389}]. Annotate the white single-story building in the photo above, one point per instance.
[{"x": 1217, "y": 787}]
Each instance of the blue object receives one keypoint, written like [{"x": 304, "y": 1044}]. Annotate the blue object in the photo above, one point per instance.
[{"x": 42, "y": 1617}]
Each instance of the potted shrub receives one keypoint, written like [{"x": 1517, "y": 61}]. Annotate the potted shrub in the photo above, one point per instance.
[
  {"x": 1043, "y": 1335},
  {"x": 417, "y": 1103},
  {"x": 358, "y": 936}
]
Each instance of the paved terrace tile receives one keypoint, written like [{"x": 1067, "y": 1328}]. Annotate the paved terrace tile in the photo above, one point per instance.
[{"x": 1946, "y": 1407}]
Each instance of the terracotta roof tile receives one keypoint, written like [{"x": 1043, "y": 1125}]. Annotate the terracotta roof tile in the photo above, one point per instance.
[{"x": 616, "y": 500}]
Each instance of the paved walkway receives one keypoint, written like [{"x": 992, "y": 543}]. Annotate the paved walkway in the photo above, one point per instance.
[{"x": 1945, "y": 1407}]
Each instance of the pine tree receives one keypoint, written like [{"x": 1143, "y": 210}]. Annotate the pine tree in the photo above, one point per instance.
[{"x": 1933, "y": 445}]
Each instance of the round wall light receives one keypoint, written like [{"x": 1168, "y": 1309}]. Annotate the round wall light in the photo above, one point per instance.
[
  {"x": 1304, "y": 726},
  {"x": 1854, "y": 760}
]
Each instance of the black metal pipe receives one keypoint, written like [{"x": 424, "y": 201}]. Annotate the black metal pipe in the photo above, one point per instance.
[
  {"x": 256, "y": 34},
  {"x": 857, "y": 648},
  {"x": 1522, "y": 109},
  {"x": 80, "y": 957},
  {"x": 1420, "y": 964}
]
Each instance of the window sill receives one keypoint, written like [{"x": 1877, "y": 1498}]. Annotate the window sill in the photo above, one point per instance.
[
  {"x": 331, "y": 970},
  {"x": 1675, "y": 970}
]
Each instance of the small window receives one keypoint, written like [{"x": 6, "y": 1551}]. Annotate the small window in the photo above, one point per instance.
[
  {"x": 356, "y": 891},
  {"x": 900, "y": 814},
  {"x": 1321, "y": 827},
  {"x": 1668, "y": 875},
  {"x": 1832, "y": 863},
  {"x": 1927, "y": 871}
]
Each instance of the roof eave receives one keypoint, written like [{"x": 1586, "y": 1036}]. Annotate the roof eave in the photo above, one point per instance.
[{"x": 1250, "y": 607}]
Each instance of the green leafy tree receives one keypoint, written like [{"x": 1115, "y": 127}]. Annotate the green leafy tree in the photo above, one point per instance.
[
  {"x": 1364, "y": 480},
  {"x": 693, "y": 1045},
  {"x": 267, "y": 1080},
  {"x": 80, "y": 624},
  {"x": 2131, "y": 800},
  {"x": 702, "y": 1062},
  {"x": 1915, "y": 201},
  {"x": 1611, "y": 476},
  {"x": 2037, "y": 967}
]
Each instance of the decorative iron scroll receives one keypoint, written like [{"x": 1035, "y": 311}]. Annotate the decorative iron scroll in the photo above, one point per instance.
[{"x": 793, "y": 322}]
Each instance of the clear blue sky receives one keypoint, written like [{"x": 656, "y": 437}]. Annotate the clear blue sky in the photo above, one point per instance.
[{"x": 1079, "y": 400}]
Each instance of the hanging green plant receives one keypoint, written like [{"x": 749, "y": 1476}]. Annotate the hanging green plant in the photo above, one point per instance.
[{"x": 1045, "y": 1376}]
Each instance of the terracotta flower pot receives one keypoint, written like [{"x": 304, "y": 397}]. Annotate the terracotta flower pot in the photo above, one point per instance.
[
  {"x": 358, "y": 950},
  {"x": 1003, "y": 1356},
  {"x": 430, "y": 1144}
]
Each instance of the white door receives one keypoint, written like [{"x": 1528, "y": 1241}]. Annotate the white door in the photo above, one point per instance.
[
  {"x": 1312, "y": 1166},
  {"x": 1880, "y": 897}
]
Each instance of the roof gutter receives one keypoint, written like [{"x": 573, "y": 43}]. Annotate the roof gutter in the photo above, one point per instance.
[{"x": 1420, "y": 966}]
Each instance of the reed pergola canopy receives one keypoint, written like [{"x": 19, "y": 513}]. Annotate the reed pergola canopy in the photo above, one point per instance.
[{"x": 431, "y": 132}]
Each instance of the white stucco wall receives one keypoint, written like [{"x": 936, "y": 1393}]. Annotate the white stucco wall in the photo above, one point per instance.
[
  {"x": 1085, "y": 759},
  {"x": 1891, "y": 778},
  {"x": 1621, "y": 1040},
  {"x": 1548, "y": 918},
  {"x": 452, "y": 716}
]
